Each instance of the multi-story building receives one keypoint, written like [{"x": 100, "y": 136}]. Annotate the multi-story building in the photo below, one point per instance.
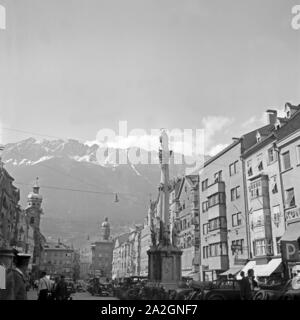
[
  {"x": 102, "y": 253},
  {"x": 268, "y": 197},
  {"x": 185, "y": 222},
  {"x": 127, "y": 254},
  {"x": 9, "y": 209},
  {"x": 85, "y": 263},
  {"x": 58, "y": 259},
  {"x": 119, "y": 268},
  {"x": 288, "y": 143},
  {"x": 224, "y": 209}
]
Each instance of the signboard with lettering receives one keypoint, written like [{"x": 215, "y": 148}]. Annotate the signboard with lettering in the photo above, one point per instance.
[
  {"x": 290, "y": 251},
  {"x": 292, "y": 215}
]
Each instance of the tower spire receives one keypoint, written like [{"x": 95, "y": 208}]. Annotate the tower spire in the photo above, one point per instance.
[{"x": 36, "y": 187}]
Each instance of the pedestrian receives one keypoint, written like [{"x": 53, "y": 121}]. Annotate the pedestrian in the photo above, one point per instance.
[
  {"x": 17, "y": 279},
  {"x": 61, "y": 292},
  {"x": 44, "y": 288},
  {"x": 56, "y": 281},
  {"x": 247, "y": 285}
]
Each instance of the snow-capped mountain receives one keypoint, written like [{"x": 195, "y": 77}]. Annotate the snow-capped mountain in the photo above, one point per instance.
[{"x": 79, "y": 192}]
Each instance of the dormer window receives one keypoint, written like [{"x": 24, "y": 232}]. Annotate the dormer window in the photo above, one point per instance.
[
  {"x": 277, "y": 125},
  {"x": 258, "y": 137}
]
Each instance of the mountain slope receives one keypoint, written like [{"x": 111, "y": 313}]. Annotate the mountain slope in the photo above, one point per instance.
[{"x": 74, "y": 214}]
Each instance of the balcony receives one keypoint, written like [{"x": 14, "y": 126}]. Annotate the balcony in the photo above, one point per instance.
[
  {"x": 216, "y": 187},
  {"x": 218, "y": 210},
  {"x": 219, "y": 235}
]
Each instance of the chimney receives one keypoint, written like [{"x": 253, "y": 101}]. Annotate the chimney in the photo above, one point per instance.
[{"x": 272, "y": 116}]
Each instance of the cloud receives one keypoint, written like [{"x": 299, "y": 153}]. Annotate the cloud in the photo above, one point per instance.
[
  {"x": 213, "y": 125},
  {"x": 216, "y": 149}
]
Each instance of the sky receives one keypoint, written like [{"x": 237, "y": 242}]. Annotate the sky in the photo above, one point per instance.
[{"x": 71, "y": 68}]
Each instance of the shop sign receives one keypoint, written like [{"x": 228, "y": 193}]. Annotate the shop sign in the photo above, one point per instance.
[
  {"x": 290, "y": 251},
  {"x": 292, "y": 214}
]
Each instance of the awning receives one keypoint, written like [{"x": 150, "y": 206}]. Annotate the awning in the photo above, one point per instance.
[
  {"x": 292, "y": 232},
  {"x": 261, "y": 270},
  {"x": 266, "y": 270},
  {"x": 249, "y": 265},
  {"x": 233, "y": 270}
]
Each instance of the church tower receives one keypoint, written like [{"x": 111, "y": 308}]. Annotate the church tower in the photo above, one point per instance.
[
  {"x": 34, "y": 206},
  {"x": 105, "y": 229}
]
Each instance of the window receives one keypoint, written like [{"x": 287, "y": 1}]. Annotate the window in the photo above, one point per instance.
[
  {"x": 218, "y": 249},
  {"x": 249, "y": 168},
  {"x": 204, "y": 184},
  {"x": 260, "y": 162},
  {"x": 233, "y": 168},
  {"x": 286, "y": 160},
  {"x": 236, "y": 219},
  {"x": 274, "y": 187},
  {"x": 217, "y": 223},
  {"x": 255, "y": 189},
  {"x": 218, "y": 198},
  {"x": 278, "y": 245},
  {"x": 257, "y": 219},
  {"x": 32, "y": 220},
  {"x": 218, "y": 176},
  {"x": 235, "y": 193},
  {"x": 271, "y": 155},
  {"x": 204, "y": 206},
  {"x": 298, "y": 154},
  {"x": 237, "y": 246},
  {"x": 290, "y": 198},
  {"x": 205, "y": 228},
  {"x": 259, "y": 247},
  {"x": 205, "y": 252},
  {"x": 276, "y": 215}
]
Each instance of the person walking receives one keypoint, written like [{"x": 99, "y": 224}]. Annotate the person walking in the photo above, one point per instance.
[
  {"x": 44, "y": 288},
  {"x": 61, "y": 292},
  {"x": 247, "y": 285}
]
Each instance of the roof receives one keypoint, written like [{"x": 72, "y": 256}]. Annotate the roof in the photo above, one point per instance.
[
  {"x": 292, "y": 125},
  {"x": 288, "y": 127},
  {"x": 56, "y": 246}
]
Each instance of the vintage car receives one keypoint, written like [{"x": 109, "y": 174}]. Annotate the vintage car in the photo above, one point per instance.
[
  {"x": 222, "y": 290},
  {"x": 288, "y": 291}
]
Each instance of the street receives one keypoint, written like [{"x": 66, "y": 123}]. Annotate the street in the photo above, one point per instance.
[{"x": 32, "y": 295}]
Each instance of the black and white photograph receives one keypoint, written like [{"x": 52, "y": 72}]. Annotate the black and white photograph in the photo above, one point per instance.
[{"x": 149, "y": 151}]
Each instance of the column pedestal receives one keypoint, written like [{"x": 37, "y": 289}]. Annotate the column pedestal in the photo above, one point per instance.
[{"x": 164, "y": 268}]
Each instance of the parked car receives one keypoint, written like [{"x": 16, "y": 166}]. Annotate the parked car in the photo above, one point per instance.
[
  {"x": 222, "y": 290},
  {"x": 288, "y": 291}
]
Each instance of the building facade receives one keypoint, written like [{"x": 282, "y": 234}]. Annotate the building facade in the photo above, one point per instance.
[
  {"x": 270, "y": 189},
  {"x": 9, "y": 209},
  {"x": 59, "y": 259},
  {"x": 289, "y": 163},
  {"x": 185, "y": 223}
]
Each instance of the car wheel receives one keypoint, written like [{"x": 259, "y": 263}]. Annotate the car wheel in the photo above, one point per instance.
[
  {"x": 215, "y": 297},
  {"x": 287, "y": 297},
  {"x": 261, "y": 296}
]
